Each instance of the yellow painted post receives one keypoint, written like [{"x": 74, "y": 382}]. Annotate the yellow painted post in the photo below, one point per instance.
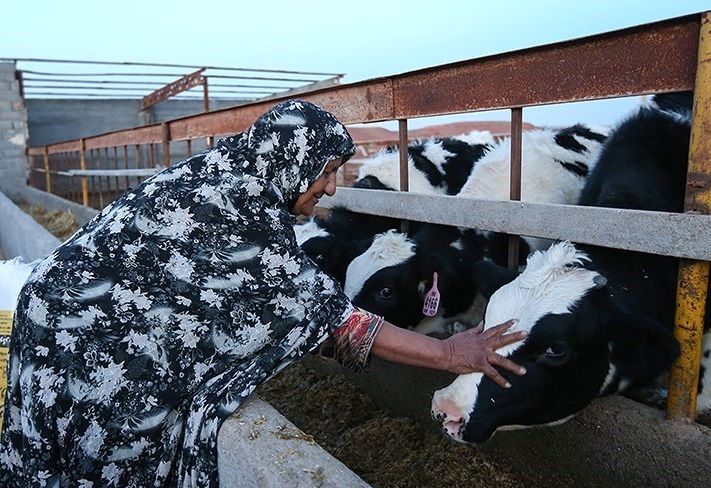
[
  {"x": 47, "y": 178},
  {"x": 84, "y": 179},
  {"x": 693, "y": 275}
]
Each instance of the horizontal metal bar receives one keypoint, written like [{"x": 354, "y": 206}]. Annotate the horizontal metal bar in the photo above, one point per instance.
[
  {"x": 164, "y": 65},
  {"x": 143, "y": 83},
  {"x": 679, "y": 235},
  {"x": 648, "y": 59},
  {"x": 114, "y": 172},
  {"x": 174, "y": 75}
]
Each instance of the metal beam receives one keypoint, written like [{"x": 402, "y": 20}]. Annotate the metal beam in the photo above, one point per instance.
[
  {"x": 679, "y": 235},
  {"x": 171, "y": 89}
]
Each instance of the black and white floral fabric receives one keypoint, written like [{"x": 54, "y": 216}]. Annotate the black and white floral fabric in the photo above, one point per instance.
[{"x": 141, "y": 334}]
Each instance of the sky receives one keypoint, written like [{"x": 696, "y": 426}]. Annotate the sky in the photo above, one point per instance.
[{"x": 362, "y": 39}]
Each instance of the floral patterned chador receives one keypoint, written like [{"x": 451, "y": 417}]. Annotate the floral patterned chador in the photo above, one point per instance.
[{"x": 136, "y": 338}]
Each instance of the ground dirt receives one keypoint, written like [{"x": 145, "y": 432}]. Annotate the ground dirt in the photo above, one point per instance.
[{"x": 387, "y": 452}]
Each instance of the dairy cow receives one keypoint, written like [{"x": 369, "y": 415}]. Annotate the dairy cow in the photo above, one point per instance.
[
  {"x": 392, "y": 277},
  {"x": 554, "y": 167},
  {"x": 333, "y": 242},
  {"x": 599, "y": 320},
  {"x": 437, "y": 165}
]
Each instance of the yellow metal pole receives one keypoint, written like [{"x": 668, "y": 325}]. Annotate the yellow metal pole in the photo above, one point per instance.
[
  {"x": 84, "y": 179},
  {"x": 47, "y": 178},
  {"x": 693, "y": 275}
]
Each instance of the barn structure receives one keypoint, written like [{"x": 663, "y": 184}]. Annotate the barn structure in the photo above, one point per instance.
[{"x": 615, "y": 441}]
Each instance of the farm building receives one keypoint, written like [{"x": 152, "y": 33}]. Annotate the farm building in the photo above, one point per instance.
[{"x": 316, "y": 424}]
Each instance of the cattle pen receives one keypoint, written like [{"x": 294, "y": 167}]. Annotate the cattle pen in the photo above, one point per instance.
[{"x": 668, "y": 56}]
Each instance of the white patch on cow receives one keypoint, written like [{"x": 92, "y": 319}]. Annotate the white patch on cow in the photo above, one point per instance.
[
  {"x": 385, "y": 166},
  {"x": 13, "y": 275},
  {"x": 551, "y": 284},
  {"x": 308, "y": 231},
  {"x": 548, "y": 424},
  {"x": 434, "y": 151},
  {"x": 611, "y": 376},
  {"x": 476, "y": 137},
  {"x": 703, "y": 400},
  {"x": 388, "y": 249},
  {"x": 543, "y": 178},
  {"x": 458, "y": 245}
]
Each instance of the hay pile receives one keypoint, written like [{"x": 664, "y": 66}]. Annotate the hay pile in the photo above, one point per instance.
[
  {"x": 386, "y": 452},
  {"x": 60, "y": 224}
]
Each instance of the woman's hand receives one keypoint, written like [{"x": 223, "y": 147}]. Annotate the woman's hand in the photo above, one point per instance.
[{"x": 474, "y": 351}]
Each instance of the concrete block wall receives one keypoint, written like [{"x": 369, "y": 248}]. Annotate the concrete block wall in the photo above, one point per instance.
[{"x": 13, "y": 132}]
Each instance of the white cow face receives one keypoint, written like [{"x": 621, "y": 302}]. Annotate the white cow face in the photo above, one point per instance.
[{"x": 579, "y": 343}]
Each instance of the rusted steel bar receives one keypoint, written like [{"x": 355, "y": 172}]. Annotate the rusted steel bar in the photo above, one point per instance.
[
  {"x": 515, "y": 176},
  {"x": 165, "y": 144},
  {"x": 47, "y": 179},
  {"x": 693, "y": 275},
  {"x": 403, "y": 145},
  {"x": 125, "y": 165},
  {"x": 84, "y": 179},
  {"x": 205, "y": 95},
  {"x": 652, "y": 58},
  {"x": 105, "y": 164},
  {"x": 171, "y": 89}
]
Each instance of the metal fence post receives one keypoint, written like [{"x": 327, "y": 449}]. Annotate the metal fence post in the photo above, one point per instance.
[
  {"x": 515, "y": 176},
  {"x": 47, "y": 177},
  {"x": 403, "y": 146},
  {"x": 165, "y": 149},
  {"x": 693, "y": 275},
  {"x": 84, "y": 179}
]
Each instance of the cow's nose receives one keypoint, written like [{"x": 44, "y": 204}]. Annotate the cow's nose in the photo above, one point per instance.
[{"x": 449, "y": 415}]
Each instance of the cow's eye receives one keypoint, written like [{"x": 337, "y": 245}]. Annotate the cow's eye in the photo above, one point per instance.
[
  {"x": 557, "y": 354},
  {"x": 556, "y": 350},
  {"x": 386, "y": 293},
  {"x": 319, "y": 258}
]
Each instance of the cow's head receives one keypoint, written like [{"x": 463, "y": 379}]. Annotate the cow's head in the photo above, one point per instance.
[
  {"x": 330, "y": 252},
  {"x": 580, "y": 345},
  {"x": 392, "y": 277}
]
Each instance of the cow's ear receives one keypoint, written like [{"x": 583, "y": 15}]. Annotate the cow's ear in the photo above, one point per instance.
[
  {"x": 489, "y": 277},
  {"x": 641, "y": 348}
]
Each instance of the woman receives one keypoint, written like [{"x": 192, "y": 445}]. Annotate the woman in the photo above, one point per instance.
[{"x": 142, "y": 333}]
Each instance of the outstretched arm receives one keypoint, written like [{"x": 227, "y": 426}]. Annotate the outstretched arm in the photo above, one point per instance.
[{"x": 467, "y": 352}]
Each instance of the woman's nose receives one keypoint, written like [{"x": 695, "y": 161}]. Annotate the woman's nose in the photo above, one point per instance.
[{"x": 330, "y": 189}]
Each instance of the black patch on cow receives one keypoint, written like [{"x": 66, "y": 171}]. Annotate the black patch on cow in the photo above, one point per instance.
[
  {"x": 578, "y": 168},
  {"x": 707, "y": 353},
  {"x": 370, "y": 182},
  {"x": 457, "y": 168},
  {"x": 565, "y": 137}
]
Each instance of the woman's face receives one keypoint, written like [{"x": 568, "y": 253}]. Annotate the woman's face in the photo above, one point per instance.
[{"x": 325, "y": 184}]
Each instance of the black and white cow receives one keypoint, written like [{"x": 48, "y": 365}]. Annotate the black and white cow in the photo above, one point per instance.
[
  {"x": 392, "y": 277},
  {"x": 334, "y": 241},
  {"x": 554, "y": 167},
  {"x": 599, "y": 320},
  {"x": 437, "y": 165}
]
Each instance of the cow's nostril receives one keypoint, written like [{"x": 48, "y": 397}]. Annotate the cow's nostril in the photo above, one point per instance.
[{"x": 453, "y": 427}]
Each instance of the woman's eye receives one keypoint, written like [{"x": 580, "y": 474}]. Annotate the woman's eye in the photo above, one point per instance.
[{"x": 386, "y": 293}]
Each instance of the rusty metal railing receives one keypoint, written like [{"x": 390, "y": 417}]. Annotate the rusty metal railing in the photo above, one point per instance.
[{"x": 660, "y": 57}]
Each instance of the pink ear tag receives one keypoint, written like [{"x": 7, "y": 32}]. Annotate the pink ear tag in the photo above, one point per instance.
[{"x": 431, "y": 305}]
